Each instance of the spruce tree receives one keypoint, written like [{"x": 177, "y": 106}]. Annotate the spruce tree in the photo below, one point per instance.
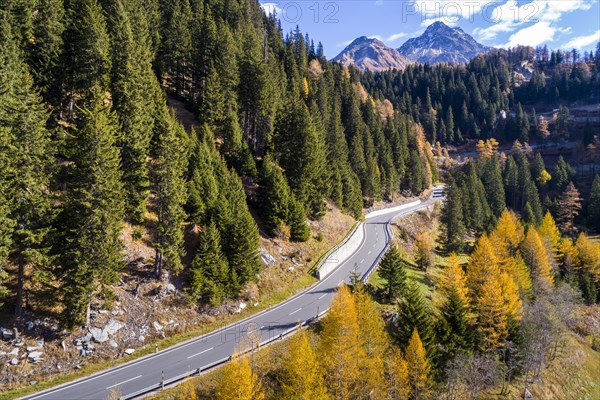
[
  {"x": 89, "y": 247},
  {"x": 208, "y": 273},
  {"x": 452, "y": 328},
  {"x": 594, "y": 204},
  {"x": 299, "y": 230},
  {"x": 134, "y": 91},
  {"x": 414, "y": 313},
  {"x": 452, "y": 219},
  {"x": 28, "y": 156},
  {"x": 273, "y": 196},
  {"x": 86, "y": 56},
  {"x": 569, "y": 204},
  {"x": 168, "y": 185},
  {"x": 393, "y": 271}
]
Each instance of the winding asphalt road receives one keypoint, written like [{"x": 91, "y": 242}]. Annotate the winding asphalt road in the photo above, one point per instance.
[{"x": 212, "y": 349}]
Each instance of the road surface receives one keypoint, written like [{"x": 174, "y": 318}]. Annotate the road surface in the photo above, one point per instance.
[{"x": 217, "y": 346}]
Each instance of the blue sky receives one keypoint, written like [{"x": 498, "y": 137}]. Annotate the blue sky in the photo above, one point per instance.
[{"x": 499, "y": 23}]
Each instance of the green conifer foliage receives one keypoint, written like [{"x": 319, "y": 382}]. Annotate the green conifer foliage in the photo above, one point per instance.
[{"x": 90, "y": 248}]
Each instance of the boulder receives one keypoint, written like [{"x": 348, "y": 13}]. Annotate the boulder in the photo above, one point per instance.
[
  {"x": 157, "y": 326},
  {"x": 129, "y": 351},
  {"x": 113, "y": 327},
  {"x": 99, "y": 335},
  {"x": 171, "y": 288},
  {"x": 14, "y": 361},
  {"x": 35, "y": 356},
  {"x": 141, "y": 338},
  {"x": 113, "y": 343}
]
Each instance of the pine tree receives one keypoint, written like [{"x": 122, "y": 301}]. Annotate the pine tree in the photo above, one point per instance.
[
  {"x": 273, "y": 196},
  {"x": 491, "y": 177},
  {"x": 301, "y": 377},
  {"x": 340, "y": 346},
  {"x": 415, "y": 313},
  {"x": 452, "y": 220},
  {"x": 299, "y": 230},
  {"x": 134, "y": 92},
  {"x": 536, "y": 257},
  {"x": 208, "y": 273},
  {"x": 569, "y": 204},
  {"x": 594, "y": 204},
  {"x": 170, "y": 164},
  {"x": 418, "y": 367},
  {"x": 86, "y": 56},
  {"x": 392, "y": 270},
  {"x": 27, "y": 156},
  {"x": 89, "y": 247},
  {"x": 239, "y": 382},
  {"x": 452, "y": 328}
]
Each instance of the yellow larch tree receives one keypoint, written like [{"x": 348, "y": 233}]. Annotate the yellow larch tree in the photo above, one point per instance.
[
  {"x": 507, "y": 235},
  {"x": 340, "y": 347},
  {"x": 537, "y": 259},
  {"x": 239, "y": 382},
  {"x": 453, "y": 277},
  {"x": 396, "y": 369},
  {"x": 375, "y": 341},
  {"x": 418, "y": 367},
  {"x": 549, "y": 232},
  {"x": 301, "y": 376},
  {"x": 491, "y": 314},
  {"x": 483, "y": 263},
  {"x": 589, "y": 256},
  {"x": 519, "y": 271},
  {"x": 513, "y": 305}
]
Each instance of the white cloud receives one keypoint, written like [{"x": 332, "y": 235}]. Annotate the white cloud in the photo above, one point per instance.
[
  {"x": 448, "y": 20},
  {"x": 269, "y": 8},
  {"x": 447, "y": 11},
  {"x": 510, "y": 16},
  {"x": 395, "y": 36},
  {"x": 533, "y": 35},
  {"x": 582, "y": 41},
  {"x": 345, "y": 43},
  {"x": 378, "y": 37}
]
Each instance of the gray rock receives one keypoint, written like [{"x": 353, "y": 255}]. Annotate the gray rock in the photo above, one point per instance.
[
  {"x": 113, "y": 343},
  {"x": 113, "y": 327},
  {"x": 171, "y": 288},
  {"x": 103, "y": 312},
  {"x": 35, "y": 356},
  {"x": 6, "y": 334},
  {"x": 157, "y": 326},
  {"x": 99, "y": 335},
  {"x": 30, "y": 325},
  {"x": 14, "y": 352},
  {"x": 142, "y": 338},
  {"x": 129, "y": 351},
  {"x": 14, "y": 361},
  {"x": 63, "y": 345}
]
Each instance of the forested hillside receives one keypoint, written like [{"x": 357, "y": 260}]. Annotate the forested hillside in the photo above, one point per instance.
[
  {"x": 487, "y": 96},
  {"x": 89, "y": 144}
]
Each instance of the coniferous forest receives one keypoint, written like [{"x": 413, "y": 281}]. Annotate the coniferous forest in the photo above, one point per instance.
[
  {"x": 91, "y": 145},
  {"x": 88, "y": 141}
]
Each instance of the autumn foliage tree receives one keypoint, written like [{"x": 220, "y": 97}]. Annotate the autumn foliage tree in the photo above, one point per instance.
[
  {"x": 419, "y": 368},
  {"x": 239, "y": 382}
]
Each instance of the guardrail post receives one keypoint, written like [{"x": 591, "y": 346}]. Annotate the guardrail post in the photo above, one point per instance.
[{"x": 162, "y": 380}]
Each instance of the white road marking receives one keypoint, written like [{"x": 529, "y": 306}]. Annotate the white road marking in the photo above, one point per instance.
[
  {"x": 128, "y": 380},
  {"x": 202, "y": 352},
  {"x": 362, "y": 261},
  {"x": 323, "y": 295},
  {"x": 294, "y": 312},
  {"x": 368, "y": 253},
  {"x": 340, "y": 283}
]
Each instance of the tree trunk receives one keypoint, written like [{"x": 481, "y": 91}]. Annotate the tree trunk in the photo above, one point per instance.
[{"x": 20, "y": 283}]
